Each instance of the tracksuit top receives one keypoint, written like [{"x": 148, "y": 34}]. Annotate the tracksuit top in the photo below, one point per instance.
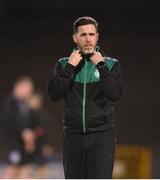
[{"x": 88, "y": 91}]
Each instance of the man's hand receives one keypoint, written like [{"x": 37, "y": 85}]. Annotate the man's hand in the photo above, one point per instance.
[
  {"x": 75, "y": 58},
  {"x": 28, "y": 138},
  {"x": 96, "y": 57}
]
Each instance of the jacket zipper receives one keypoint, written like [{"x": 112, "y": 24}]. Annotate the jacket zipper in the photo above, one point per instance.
[{"x": 84, "y": 99}]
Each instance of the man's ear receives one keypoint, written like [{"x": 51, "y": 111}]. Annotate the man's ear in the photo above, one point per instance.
[
  {"x": 74, "y": 38},
  {"x": 97, "y": 36}
]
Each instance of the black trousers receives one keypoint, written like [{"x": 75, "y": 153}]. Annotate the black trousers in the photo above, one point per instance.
[{"x": 89, "y": 156}]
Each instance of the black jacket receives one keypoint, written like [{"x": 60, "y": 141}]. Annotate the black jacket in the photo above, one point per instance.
[
  {"x": 89, "y": 92},
  {"x": 18, "y": 116}
]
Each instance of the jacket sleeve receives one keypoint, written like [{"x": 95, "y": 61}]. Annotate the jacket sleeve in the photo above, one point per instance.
[
  {"x": 111, "y": 81},
  {"x": 60, "y": 81}
]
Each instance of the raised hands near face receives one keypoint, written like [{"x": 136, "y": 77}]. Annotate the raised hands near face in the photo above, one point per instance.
[
  {"x": 75, "y": 58},
  {"x": 96, "y": 57}
]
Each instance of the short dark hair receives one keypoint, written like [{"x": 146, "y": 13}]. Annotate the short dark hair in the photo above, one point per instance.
[
  {"x": 24, "y": 78},
  {"x": 84, "y": 21}
]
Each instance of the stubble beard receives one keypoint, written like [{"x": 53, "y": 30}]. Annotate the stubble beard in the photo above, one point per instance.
[{"x": 86, "y": 50}]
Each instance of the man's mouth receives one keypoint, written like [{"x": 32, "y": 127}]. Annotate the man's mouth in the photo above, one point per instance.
[{"x": 88, "y": 46}]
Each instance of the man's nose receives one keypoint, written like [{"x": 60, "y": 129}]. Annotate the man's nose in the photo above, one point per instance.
[{"x": 88, "y": 38}]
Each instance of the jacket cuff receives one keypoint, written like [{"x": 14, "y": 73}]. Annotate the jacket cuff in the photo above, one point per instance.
[{"x": 68, "y": 70}]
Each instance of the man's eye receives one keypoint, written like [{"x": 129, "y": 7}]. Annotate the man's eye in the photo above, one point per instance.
[{"x": 83, "y": 34}]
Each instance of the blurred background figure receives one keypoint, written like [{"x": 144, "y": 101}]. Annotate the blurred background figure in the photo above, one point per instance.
[
  {"x": 28, "y": 150},
  {"x": 20, "y": 137},
  {"x": 44, "y": 151},
  {"x": 22, "y": 129}
]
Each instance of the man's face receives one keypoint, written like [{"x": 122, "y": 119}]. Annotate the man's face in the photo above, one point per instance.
[
  {"x": 23, "y": 89},
  {"x": 86, "y": 38}
]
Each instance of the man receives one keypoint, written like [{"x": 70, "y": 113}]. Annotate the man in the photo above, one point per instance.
[
  {"x": 89, "y": 82},
  {"x": 20, "y": 129}
]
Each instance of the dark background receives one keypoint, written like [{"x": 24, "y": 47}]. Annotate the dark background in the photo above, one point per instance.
[{"x": 34, "y": 34}]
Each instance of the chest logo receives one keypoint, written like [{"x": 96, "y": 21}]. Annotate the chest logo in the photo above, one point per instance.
[{"x": 96, "y": 73}]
